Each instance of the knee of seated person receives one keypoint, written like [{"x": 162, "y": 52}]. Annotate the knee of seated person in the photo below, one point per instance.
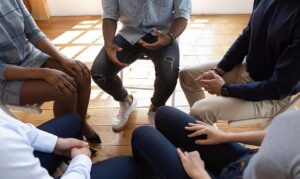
[
  {"x": 71, "y": 96},
  {"x": 140, "y": 133},
  {"x": 203, "y": 114},
  {"x": 184, "y": 75},
  {"x": 101, "y": 78},
  {"x": 73, "y": 120},
  {"x": 161, "y": 114},
  {"x": 83, "y": 82}
]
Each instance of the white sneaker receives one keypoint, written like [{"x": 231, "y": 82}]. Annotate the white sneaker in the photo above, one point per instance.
[
  {"x": 120, "y": 121},
  {"x": 151, "y": 118}
]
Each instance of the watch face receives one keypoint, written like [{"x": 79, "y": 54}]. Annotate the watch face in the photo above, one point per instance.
[{"x": 224, "y": 91}]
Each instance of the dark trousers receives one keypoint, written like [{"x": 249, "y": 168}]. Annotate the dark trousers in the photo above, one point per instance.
[
  {"x": 155, "y": 150},
  {"x": 70, "y": 126},
  {"x": 165, "y": 60}
]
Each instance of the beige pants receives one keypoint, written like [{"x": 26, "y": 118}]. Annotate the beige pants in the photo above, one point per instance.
[{"x": 216, "y": 108}]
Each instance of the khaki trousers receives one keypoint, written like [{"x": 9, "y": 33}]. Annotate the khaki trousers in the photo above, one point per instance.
[{"x": 214, "y": 108}]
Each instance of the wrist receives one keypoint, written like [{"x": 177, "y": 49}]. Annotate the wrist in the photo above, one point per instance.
[
  {"x": 43, "y": 72},
  {"x": 218, "y": 72},
  {"x": 224, "y": 90},
  {"x": 227, "y": 137},
  {"x": 202, "y": 175},
  {"x": 171, "y": 36},
  {"x": 107, "y": 45}
]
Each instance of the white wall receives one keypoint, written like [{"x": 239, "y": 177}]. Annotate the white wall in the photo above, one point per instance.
[{"x": 93, "y": 7}]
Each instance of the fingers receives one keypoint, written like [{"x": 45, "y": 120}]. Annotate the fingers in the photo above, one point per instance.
[
  {"x": 195, "y": 154},
  {"x": 141, "y": 42},
  {"x": 203, "y": 142},
  {"x": 180, "y": 153},
  {"x": 202, "y": 123},
  {"x": 78, "y": 69},
  {"x": 84, "y": 69},
  {"x": 206, "y": 76},
  {"x": 155, "y": 31},
  {"x": 198, "y": 133},
  {"x": 154, "y": 46},
  {"x": 194, "y": 128},
  {"x": 78, "y": 143},
  {"x": 113, "y": 57},
  {"x": 70, "y": 83},
  {"x": 186, "y": 155},
  {"x": 200, "y": 77},
  {"x": 66, "y": 84}
]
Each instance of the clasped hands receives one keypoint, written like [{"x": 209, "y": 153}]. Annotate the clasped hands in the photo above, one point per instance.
[
  {"x": 211, "y": 82},
  {"x": 70, "y": 147}
]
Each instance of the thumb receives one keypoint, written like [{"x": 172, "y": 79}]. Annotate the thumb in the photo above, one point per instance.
[
  {"x": 78, "y": 143},
  {"x": 207, "y": 82},
  {"x": 154, "y": 30}
]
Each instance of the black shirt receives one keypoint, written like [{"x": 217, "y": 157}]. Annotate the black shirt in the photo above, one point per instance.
[{"x": 271, "y": 45}]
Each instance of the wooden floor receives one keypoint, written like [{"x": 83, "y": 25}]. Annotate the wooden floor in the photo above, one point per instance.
[{"x": 206, "y": 38}]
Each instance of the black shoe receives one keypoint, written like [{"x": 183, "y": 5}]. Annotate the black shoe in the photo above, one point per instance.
[
  {"x": 94, "y": 139},
  {"x": 93, "y": 150}
]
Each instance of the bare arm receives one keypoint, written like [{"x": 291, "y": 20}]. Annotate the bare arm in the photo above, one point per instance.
[
  {"x": 20, "y": 73},
  {"x": 109, "y": 30},
  {"x": 215, "y": 136},
  {"x": 72, "y": 66},
  {"x": 109, "y": 27},
  {"x": 251, "y": 138},
  {"x": 46, "y": 46},
  {"x": 178, "y": 26}
]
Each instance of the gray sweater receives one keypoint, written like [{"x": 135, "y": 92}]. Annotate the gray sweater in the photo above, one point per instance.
[{"x": 279, "y": 155}]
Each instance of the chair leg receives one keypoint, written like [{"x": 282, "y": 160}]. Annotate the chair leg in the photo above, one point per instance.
[{"x": 173, "y": 98}]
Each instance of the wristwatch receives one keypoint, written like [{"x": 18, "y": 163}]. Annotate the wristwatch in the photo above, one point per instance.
[
  {"x": 172, "y": 36},
  {"x": 217, "y": 72},
  {"x": 224, "y": 91}
]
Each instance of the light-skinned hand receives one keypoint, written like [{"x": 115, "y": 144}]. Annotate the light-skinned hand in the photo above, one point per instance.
[
  {"x": 80, "y": 151},
  {"x": 211, "y": 82},
  {"x": 64, "y": 146},
  {"x": 214, "y": 135},
  {"x": 193, "y": 165}
]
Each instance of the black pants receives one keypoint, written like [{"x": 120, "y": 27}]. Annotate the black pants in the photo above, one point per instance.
[
  {"x": 155, "y": 150},
  {"x": 70, "y": 126},
  {"x": 165, "y": 60}
]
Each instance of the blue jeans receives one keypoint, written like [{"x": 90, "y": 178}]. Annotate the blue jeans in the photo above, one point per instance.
[
  {"x": 155, "y": 150},
  {"x": 165, "y": 60},
  {"x": 70, "y": 126}
]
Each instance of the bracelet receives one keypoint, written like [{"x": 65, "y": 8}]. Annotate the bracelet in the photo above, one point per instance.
[
  {"x": 171, "y": 36},
  {"x": 217, "y": 71}
]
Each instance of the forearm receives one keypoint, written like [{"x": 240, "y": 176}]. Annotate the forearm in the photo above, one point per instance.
[
  {"x": 251, "y": 138},
  {"x": 21, "y": 73},
  {"x": 178, "y": 26},
  {"x": 46, "y": 46},
  {"x": 109, "y": 31}
]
